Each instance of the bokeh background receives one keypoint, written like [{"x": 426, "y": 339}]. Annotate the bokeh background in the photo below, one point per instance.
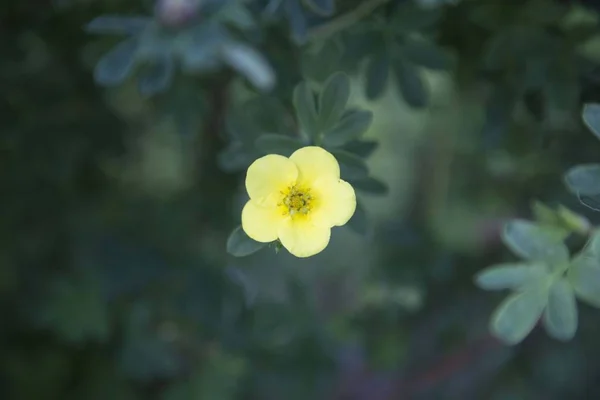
[{"x": 116, "y": 207}]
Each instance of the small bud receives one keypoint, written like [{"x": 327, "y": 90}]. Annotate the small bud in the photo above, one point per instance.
[{"x": 175, "y": 13}]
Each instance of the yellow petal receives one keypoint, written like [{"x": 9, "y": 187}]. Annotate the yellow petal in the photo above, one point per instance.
[
  {"x": 261, "y": 223},
  {"x": 315, "y": 162},
  {"x": 302, "y": 238},
  {"x": 268, "y": 176},
  {"x": 335, "y": 202}
]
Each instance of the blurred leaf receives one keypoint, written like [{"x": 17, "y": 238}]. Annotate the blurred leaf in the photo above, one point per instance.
[
  {"x": 156, "y": 77},
  {"x": 425, "y": 54},
  {"x": 584, "y": 179},
  {"x": 249, "y": 63},
  {"x": 115, "y": 66},
  {"x": 532, "y": 242},
  {"x": 238, "y": 15},
  {"x": 234, "y": 158},
  {"x": 511, "y": 276},
  {"x": 333, "y": 99},
  {"x": 410, "y": 84},
  {"x": 306, "y": 111},
  {"x": 591, "y": 117},
  {"x": 351, "y": 166},
  {"x": 351, "y": 126},
  {"x": 370, "y": 185},
  {"x": 560, "y": 316},
  {"x": 584, "y": 276},
  {"x": 117, "y": 25},
  {"x": 277, "y": 144},
  {"x": 322, "y": 7},
  {"x": 362, "y": 148},
  {"x": 590, "y": 201},
  {"x": 297, "y": 20},
  {"x": 359, "y": 222},
  {"x": 199, "y": 48},
  {"x": 377, "y": 73},
  {"x": 518, "y": 314},
  {"x": 240, "y": 245},
  {"x": 76, "y": 311}
]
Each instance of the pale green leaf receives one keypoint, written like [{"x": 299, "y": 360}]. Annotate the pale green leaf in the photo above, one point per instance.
[
  {"x": 518, "y": 314},
  {"x": 333, "y": 99},
  {"x": 370, "y": 185},
  {"x": 584, "y": 179},
  {"x": 584, "y": 276},
  {"x": 510, "y": 276},
  {"x": 536, "y": 243},
  {"x": 240, "y": 245},
  {"x": 250, "y": 63},
  {"x": 560, "y": 316},
  {"x": 306, "y": 111}
]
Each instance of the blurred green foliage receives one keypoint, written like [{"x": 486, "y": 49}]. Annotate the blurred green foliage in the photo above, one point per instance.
[{"x": 468, "y": 128}]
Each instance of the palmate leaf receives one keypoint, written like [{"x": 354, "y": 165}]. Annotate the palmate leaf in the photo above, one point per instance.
[
  {"x": 306, "y": 110},
  {"x": 277, "y": 144},
  {"x": 250, "y": 63},
  {"x": 116, "y": 66},
  {"x": 410, "y": 83},
  {"x": 157, "y": 76},
  {"x": 536, "y": 243},
  {"x": 377, "y": 74},
  {"x": 351, "y": 166}
]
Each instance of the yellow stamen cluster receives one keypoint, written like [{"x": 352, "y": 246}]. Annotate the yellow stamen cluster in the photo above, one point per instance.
[{"x": 296, "y": 201}]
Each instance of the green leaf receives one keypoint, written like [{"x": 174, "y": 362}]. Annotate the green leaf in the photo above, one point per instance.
[
  {"x": 377, "y": 73},
  {"x": 114, "y": 67},
  {"x": 277, "y": 144},
  {"x": 352, "y": 125},
  {"x": 333, "y": 99},
  {"x": 351, "y": 166},
  {"x": 584, "y": 179},
  {"x": 518, "y": 314},
  {"x": 362, "y": 148},
  {"x": 536, "y": 243},
  {"x": 560, "y": 317},
  {"x": 410, "y": 18},
  {"x": 510, "y": 276},
  {"x": 306, "y": 111},
  {"x": 411, "y": 86},
  {"x": 584, "y": 276},
  {"x": 250, "y": 63},
  {"x": 324, "y": 8},
  {"x": 370, "y": 185},
  {"x": 240, "y": 245},
  {"x": 425, "y": 54},
  {"x": 234, "y": 158},
  {"x": 591, "y": 118}
]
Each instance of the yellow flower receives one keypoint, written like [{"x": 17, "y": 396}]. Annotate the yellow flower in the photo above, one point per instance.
[{"x": 297, "y": 200}]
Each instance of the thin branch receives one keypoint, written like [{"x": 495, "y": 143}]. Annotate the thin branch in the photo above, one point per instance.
[{"x": 346, "y": 20}]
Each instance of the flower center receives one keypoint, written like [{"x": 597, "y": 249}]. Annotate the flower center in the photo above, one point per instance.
[{"x": 296, "y": 201}]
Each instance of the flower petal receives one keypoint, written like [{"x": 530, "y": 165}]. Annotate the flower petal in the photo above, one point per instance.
[
  {"x": 313, "y": 163},
  {"x": 261, "y": 223},
  {"x": 268, "y": 176},
  {"x": 302, "y": 238},
  {"x": 335, "y": 202}
]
